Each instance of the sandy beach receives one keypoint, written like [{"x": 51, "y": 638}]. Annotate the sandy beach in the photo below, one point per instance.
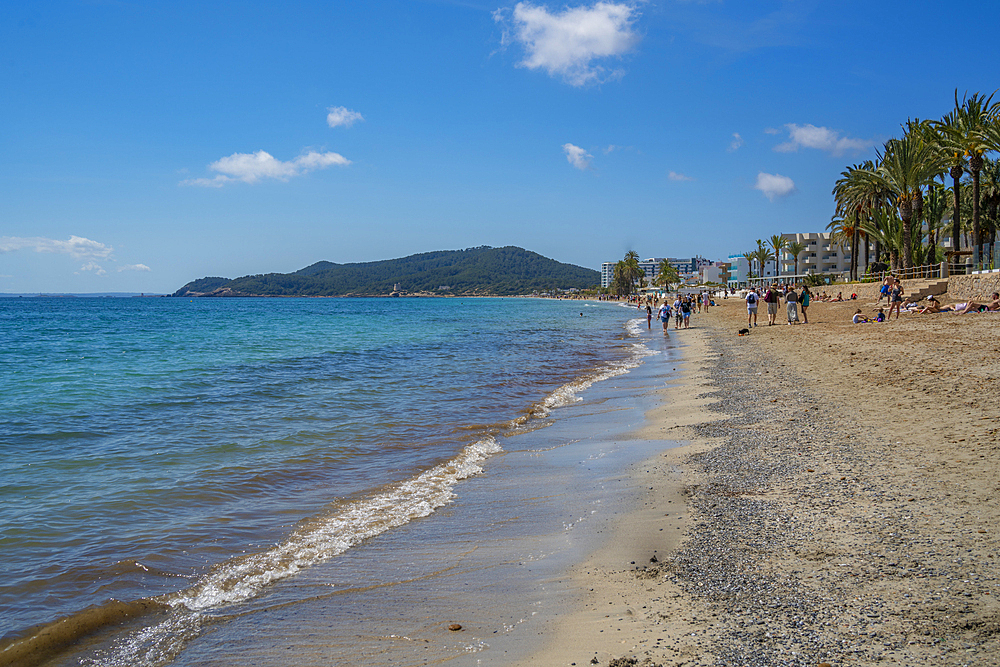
[{"x": 834, "y": 502}]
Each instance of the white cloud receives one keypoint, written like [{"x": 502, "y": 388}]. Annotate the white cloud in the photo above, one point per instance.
[
  {"x": 774, "y": 185},
  {"x": 675, "y": 176},
  {"x": 735, "y": 144},
  {"x": 577, "y": 156},
  {"x": 77, "y": 246},
  {"x": 567, "y": 43},
  {"x": 342, "y": 116},
  {"x": 821, "y": 138},
  {"x": 92, "y": 266},
  {"x": 252, "y": 167},
  {"x": 134, "y": 267},
  {"x": 771, "y": 130}
]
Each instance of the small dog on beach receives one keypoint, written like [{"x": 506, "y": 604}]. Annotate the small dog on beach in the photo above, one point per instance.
[{"x": 744, "y": 332}]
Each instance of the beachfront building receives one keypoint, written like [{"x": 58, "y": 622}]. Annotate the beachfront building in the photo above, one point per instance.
[
  {"x": 821, "y": 256},
  {"x": 716, "y": 272},
  {"x": 650, "y": 269},
  {"x": 607, "y": 274},
  {"x": 686, "y": 268},
  {"x": 739, "y": 272}
]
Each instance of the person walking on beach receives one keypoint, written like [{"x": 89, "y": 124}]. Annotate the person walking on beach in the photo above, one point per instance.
[
  {"x": 678, "y": 315},
  {"x": 895, "y": 298},
  {"x": 664, "y": 315},
  {"x": 804, "y": 298},
  {"x": 792, "y": 305},
  {"x": 649, "y": 317},
  {"x": 752, "y": 308},
  {"x": 686, "y": 307},
  {"x": 772, "y": 300}
]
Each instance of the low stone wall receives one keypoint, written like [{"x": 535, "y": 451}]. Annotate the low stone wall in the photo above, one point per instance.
[
  {"x": 976, "y": 286},
  {"x": 869, "y": 292}
]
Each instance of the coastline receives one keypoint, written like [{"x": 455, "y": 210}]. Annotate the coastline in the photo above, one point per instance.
[{"x": 841, "y": 502}]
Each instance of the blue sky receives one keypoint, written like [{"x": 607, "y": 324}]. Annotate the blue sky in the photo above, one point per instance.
[{"x": 146, "y": 144}]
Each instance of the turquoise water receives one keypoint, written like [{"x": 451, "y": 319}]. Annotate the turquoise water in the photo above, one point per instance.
[{"x": 182, "y": 456}]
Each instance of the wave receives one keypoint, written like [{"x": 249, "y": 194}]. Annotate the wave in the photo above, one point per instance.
[
  {"x": 569, "y": 392},
  {"x": 244, "y": 577},
  {"x": 178, "y": 617}
]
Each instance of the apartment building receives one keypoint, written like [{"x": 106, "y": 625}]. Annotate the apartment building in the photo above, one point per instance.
[
  {"x": 821, "y": 255},
  {"x": 686, "y": 268}
]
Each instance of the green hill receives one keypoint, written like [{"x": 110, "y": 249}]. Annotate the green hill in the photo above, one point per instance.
[{"x": 482, "y": 271}]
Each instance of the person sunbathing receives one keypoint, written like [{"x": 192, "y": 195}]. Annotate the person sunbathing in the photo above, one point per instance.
[
  {"x": 932, "y": 306},
  {"x": 973, "y": 307},
  {"x": 935, "y": 307},
  {"x": 840, "y": 296}
]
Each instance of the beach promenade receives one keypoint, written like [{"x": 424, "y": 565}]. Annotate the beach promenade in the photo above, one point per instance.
[{"x": 835, "y": 502}]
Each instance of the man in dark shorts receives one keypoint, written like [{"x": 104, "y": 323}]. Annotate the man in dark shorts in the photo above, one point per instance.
[
  {"x": 752, "y": 300},
  {"x": 772, "y": 299}
]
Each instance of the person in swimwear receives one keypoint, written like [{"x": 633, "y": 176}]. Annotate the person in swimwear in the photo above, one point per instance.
[{"x": 983, "y": 307}]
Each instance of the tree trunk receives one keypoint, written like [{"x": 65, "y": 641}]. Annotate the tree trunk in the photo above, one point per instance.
[
  {"x": 956, "y": 217},
  {"x": 993, "y": 229},
  {"x": 931, "y": 246},
  {"x": 854, "y": 252},
  {"x": 906, "y": 213},
  {"x": 867, "y": 244},
  {"x": 975, "y": 164},
  {"x": 918, "y": 215}
]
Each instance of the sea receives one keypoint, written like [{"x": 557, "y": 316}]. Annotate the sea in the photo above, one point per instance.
[{"x": 309, "y": 481}]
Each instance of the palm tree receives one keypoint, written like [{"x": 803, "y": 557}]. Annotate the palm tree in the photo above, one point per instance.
[
  {"x": 935, "y": 206},
  {"x": 778, "y": 243},
  {"x": 666, "y": 274},
  {"x": 633, "y": 271},
  {"x": 886, "y": 228},
  {"x": 991, "y": 201},
  {"x": 763, "y": 256},
  {"x": 844, "y": 232},
  {"x": 796, "y": 248},
  {"x": 859, "y": 193},
  {"x": 749, "y": 257},
  {"x": 621, "y": 285},
  {"x": 966, "y": 132},
  {"x": 908, "y": 164}
]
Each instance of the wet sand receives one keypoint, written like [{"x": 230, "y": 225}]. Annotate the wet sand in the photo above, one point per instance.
[{"x": 836, "y": 502}]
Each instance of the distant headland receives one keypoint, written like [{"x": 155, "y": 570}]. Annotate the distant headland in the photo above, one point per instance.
[{"x": 482, "y": 271}]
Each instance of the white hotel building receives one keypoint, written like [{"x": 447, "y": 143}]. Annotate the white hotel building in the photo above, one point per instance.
[
  {"x": 650, "y": 268},
  {"x": 821, "y": 256}
]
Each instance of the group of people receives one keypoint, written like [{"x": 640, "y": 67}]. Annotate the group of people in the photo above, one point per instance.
[
  {"x": 680, "y": 310},
  {"x": 773, "y": 296},
  {"x": 935, "y": 306}
]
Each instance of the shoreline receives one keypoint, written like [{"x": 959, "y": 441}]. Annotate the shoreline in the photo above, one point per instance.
[{"x": 841, "y": 502}]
